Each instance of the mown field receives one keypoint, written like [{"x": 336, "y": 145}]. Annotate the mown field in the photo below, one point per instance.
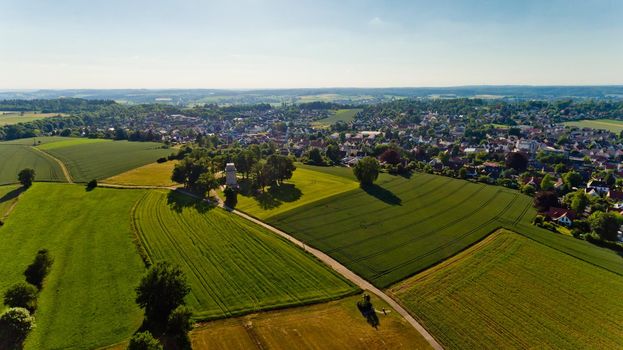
[
  {"x": 89, "y": 159},
  {"x": 615, "y": 126},
  {"x": 15, "y": 157},
  {"x": 307, "y": 185},
  {"x": 341, "y": 115},
  {"x": 402, "y": 226},
  {"x": 88, "y": 298},
  {"x": 511, "y": 292},
  {"x": 9, "y": 118},
  {"x": 154, "y": 174},
  {"x": 233, "y": 266},
  {"x": 8, "y": 197},
  {"x": 333, "y": 325}
]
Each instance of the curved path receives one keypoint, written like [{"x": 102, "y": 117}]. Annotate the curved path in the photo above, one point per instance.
[
  {"x": 342, "y": 270},
  {"x": 61, "y": 164}
]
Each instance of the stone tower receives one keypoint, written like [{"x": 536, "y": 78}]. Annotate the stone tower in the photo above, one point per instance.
[{"x": 230, "y": 175}]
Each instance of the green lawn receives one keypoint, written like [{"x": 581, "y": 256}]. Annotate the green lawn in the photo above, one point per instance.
[
  {"x": 89, "y": 159},
  {"x": 511, "y": 292},
  {"x": 15, "y": 157},
  {"x": 402, "y": 226},
  {"x": 343, "y": 115},
  {"x": 307, "y": 185},
  {"x": 8, "y": 118},
  {"x": 615, "y": 126},
  {"x": 233, "y": 266},
  {"x": 88, "y": 298}
]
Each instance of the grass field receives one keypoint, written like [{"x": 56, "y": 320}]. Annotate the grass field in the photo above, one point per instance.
[
  {"x": 402, "y": 226},
  {"x": 8, "y": 118},
  {"x": 233, "y": 266},
  {"x": 307, "y": 185},
  {"x": 88, "y": 298},
  {"x": 344, "y": 115},
  {"x": 615, "y": 126},
  {"x": 89, "y": 159},
  {"x": 15, "y": 157},
  {"x": 511, "y": 292},
  {"x": 8, "y": 197},
  {"x": 333, "y": 325},
  {"x": 154, "y": 174}
]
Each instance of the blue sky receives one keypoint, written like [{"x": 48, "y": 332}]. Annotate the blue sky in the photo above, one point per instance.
[{"x": 282, "y": 44}]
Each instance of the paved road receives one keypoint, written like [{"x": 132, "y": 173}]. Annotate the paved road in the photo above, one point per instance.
[{"x": 348, "y": 274}]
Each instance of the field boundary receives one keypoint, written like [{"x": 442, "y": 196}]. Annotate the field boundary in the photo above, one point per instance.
[{"x": 60, "y": 163}]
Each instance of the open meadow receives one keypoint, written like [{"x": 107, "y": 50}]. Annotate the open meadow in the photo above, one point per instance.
[
  {"x": 89, "y": 159},
  {"x": 401, "y": 226},
  {"x": 15, "y": 157},
  {"x": 340, "y": 115},
  {"x": 87, "y": 300},
  {"x": 509, "y": 291},
  {"x": 615, "y": 126},
  {"x": 153, "y": 174},
  {"x": 9, "y": 118},
  {"x": 307, "y": 185},
  {"x": 233, "y": 266},
  {"x": 333, "y": 325}
]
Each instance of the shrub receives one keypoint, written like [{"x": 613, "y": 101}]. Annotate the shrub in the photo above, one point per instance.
[
  {"x": 180, "y": 323},
  {"x": 22, "y": 295},
  {"x": 91, "y": 185},
  {"x": 15, "y": 324},
  {"x": 144, "y": 341},
  {"x": 36, "y": 272},
  {"x": 161, "y": 160}
]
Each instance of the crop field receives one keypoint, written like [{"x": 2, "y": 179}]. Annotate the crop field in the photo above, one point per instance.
[
  {"x": 88, "y": 298},
  {"x": 615, "y": 126},
  {"x": 233, "y": 266},
  {"x": 89, "y": 159},
  {"x": 307, "y": 185},
  {"x": 154, "y": 174},
  {"x": 15, "y": 157},
  {"x": 511, "y": 292},
  {"x": 402, "y": 226},
  {"x": 333, "y": 325},
  {"x": 343, "y": 115},
  {"x": 34, "y": 141},
  {"x": 8, "y": 118}
]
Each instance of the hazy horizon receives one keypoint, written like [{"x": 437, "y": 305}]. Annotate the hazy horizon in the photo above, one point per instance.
[{"x": 274, "y": 44}]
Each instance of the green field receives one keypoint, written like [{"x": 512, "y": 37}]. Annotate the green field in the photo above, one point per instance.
[
  {"x": 88, "y": 298},
  {"x": 233, "y": 266},
  {"x": 343, "y": 115},
  {"x": 8, "y": 197},
  {"x": 8, "y": 118},
  {"x": 307, "y": 185},
  {"x": 15, "y": 157},
  {"x": 402, "y": 226},
  {"x": 615, "y": 126},
  {"x": 89, "y": 159},
  {"x": 511, "y": 292}
]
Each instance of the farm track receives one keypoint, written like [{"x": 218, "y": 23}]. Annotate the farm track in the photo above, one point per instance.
[{"x": 59, "y": 162}]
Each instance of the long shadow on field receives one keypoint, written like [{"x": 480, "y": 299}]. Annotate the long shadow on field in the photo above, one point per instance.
[
  {"x": 277, "y": 195},
  {"x": 12, "y": 195},
  {"x": 382, "y": 194},
  {"x": 178, "y": 201}
]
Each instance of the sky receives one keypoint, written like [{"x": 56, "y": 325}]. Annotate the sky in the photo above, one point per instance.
[{"x": 247, "y": 44}]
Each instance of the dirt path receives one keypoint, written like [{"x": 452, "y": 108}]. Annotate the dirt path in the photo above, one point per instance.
[
  {"x": 61, "y": 164},
  {"x": 348, "y": 274}
]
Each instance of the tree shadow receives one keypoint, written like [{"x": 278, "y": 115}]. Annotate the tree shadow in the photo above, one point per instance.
[
  {"x": 367, "y": 310},
  {"x": 178, "y": 201},
  {"x": 276, "y": 195},
  {"x": 12, "y": 194},
  {"x": 382, "y": 194}
]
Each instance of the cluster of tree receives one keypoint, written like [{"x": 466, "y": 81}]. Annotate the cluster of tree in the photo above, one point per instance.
[
  {"x": 195, "y": 174},
  {"x": 21, "y": 299},
  {"x": 274, "y": 170},
  {"x": 161, "y": 294},
  {"x": 26, "y": 177}
]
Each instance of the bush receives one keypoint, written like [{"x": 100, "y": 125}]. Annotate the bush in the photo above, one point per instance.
[
  {"x": 36, "y": 272},
  {"x": 15, "y": 324},
  {"x": 180, "y": 323},
  {"x": 161, "y": 160},
  {"x": 144, "y": 341},
  {"x": 91, "y": 185},
  {"x": 22, "y": 295}
]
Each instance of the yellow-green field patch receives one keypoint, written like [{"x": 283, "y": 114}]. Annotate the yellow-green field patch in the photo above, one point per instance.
[
  {"x": 343, "y": 115},
  {"x": 615, "y": 126},
  {"x": 154, "y": 174},
  {"x": 9, "y": 118},
  {"x": 68, "y": 142}
]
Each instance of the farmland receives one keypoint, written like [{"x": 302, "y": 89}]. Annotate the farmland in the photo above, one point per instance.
[
  {"x": 88, "y": 298},
  {"x": 402, "y": 226},
  {"x": 15, "y": 157},
  {"x": 333, "y": 325},
  {"x": 615, "y": 126},
  {"x": 8, "y": 118},
  {"x": 511, "y": 292},
  {"x": 307, "y": 185},
  {"x": 341, "y": 115},
  {"x": 8, "y": 197},
  {"x": 89, "y": 159},
  {"x": 153, "y": 174},
  {"x": 233, "y": 266}
]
